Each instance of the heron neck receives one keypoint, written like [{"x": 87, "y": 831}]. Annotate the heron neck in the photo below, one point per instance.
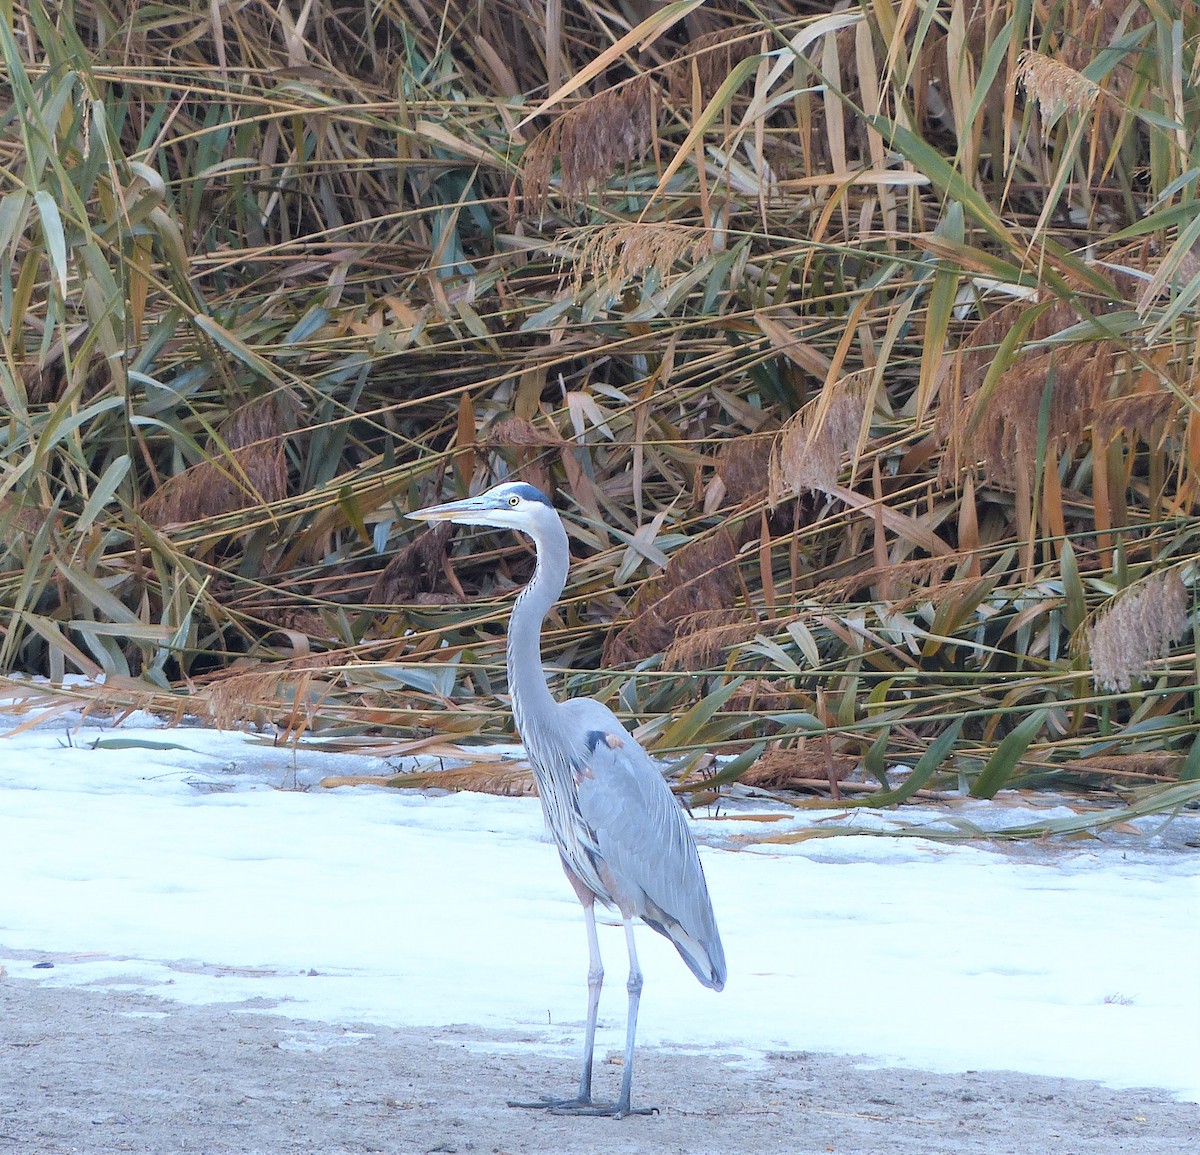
[{"x": 531, "y": 696}]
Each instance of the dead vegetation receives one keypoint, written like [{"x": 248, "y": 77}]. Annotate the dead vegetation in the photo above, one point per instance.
[
  {"x": 1138, "y": 630},
  {"x": 591, "y": 142},
  {"x": 858, "y": 349},
  {"x": 244, "y": 467},
  {"x": 695, "y": 593}
]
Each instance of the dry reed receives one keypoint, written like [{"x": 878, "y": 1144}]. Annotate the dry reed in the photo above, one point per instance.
[
  {"x": 1056, "y": 87},
  {"x": 591, "y": 141},
  {"x": 708, "y": 61},
  {"x": 698, "y": 581},
  {"x": 414, "y": 572},
  {"x": 1137, "y": 629},
  {"x": 612, "y": 254},
  {"x": 248, "y": 467},
  {"x": 812, "y": 446}
]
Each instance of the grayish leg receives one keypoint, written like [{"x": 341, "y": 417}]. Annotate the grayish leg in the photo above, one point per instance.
[
  {"x": 595, "y": 982},
  {"x": 582, "y": 1103},
  {"x": 634, "y": 986}
]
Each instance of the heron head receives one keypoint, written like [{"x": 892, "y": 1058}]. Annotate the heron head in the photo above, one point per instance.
[{"x": 510, "y": 505}]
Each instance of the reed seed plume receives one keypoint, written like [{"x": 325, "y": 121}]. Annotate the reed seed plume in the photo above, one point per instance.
[
  {"x": 799, "y": 767},
  {"x": 232, "y": 701},
  {"x": 1056, "y": 87},
  {"x": 1139, "y": 628},
  {"x": 700, "y": 638},
  {"x": 1093, "y": 26},
  {"x": 415, "y": 569},
  {"x": 711, "y": 58},
  {"x": 1005, "y": 436},
  {"x": 743, "y": 466},
  {"x": 811, "y": 447},
  {"x": 1139, "y": 415},
  {"x": 964, "y": 374},
  {"x": 998, "y": 430},
  {"x": 253, "y": 472},
  {"x": 612, "y": 254},
  {"x": 47, "y": 379},
  {"x": 606, "y": 132},
  {"x": 1156, "y": 766},
  {"x": 925, "y": 576},
  {"x": 479, "y": 777},
  {"x": 518, "y": 432},
  {"x": 699, "y": 581}
]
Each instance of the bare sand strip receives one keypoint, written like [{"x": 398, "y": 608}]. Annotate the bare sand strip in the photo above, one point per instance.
[{"x": 99, "y": 1071}]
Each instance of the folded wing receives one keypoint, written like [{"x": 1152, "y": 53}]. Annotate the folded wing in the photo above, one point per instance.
[{"x": 646, "y": 847}]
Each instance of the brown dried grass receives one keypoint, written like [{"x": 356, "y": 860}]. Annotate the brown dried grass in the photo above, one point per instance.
[
  {"x": 415, "y": 569},
  {"x": 49, "y": 379},
  {"x": 1005, "y": 435},
  {"x": 924, "y": 575},
  {"x": 743, "y": 465},
  {"x": 709, "y": 61},
  {"x": 248, "y": 467},
  {"x": 591, "y": 141},
  {"x": 1055, "y": 86},
  {"x": 811, "y": 448},
  {"x": 612, "y": 254},
  {"x": 1156, "y": 767},
  {"x": 765, "y": 696},
  {"x": 998, "y": 432},
  {"x": 698, "y": 581},
  {"x": 517, "y": 432},
  {"x": 22, "y": 516},
  {"x": 297, "y": 621},
  {"x": 1139, "y": 415},
  {"x": 1094, "y": 24},
  {"x": 233, "y": 701},
  {"x": 1137, "y": 629},
  {"x": 701, "y": 638},
  {"x": 799, "y": 768},
  {"x": 480, "y": 777}
]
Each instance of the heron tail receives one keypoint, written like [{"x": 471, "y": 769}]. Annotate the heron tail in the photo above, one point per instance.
[{"x": 705, "y": 957}]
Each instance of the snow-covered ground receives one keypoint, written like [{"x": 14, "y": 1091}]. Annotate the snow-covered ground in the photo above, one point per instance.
[{"x": 206, "y": 867}]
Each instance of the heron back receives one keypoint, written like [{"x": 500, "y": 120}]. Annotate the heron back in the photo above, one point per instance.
[{"x": 616, "y": 823}]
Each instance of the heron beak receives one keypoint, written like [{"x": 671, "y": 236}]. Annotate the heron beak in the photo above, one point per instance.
[{"x": 469, "y": 511}]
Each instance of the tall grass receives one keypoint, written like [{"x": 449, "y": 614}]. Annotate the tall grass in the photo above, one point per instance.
[{"x": 859, "y": 349}]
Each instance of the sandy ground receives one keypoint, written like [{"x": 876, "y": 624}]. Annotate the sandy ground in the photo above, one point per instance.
[{"x": 89, "y": 1070}]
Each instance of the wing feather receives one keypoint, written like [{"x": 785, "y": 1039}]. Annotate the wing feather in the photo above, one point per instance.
[{"x": 647, "y": 848}]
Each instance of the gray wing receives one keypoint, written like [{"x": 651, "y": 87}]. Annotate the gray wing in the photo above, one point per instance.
[{"x": 644, "y": 841}]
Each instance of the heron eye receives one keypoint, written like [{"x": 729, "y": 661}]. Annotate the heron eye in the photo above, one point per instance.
[{"x": 514, "y": 501}]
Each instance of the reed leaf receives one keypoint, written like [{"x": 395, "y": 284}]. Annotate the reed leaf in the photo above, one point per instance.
[{"x": 272, "y": 283}]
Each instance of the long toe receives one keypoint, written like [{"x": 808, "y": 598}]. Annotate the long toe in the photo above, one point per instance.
[
  {"x": 547, "y": 1103},
  {"x": 580, "y": 1106},
  {"x": 612, "y": 1110}
]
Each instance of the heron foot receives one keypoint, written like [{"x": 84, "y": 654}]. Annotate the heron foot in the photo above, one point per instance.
[
  {"x": 612, "y": 1110},
  {"x": 580, "y": 1106},
  {"x": 547, "y": 1103}
]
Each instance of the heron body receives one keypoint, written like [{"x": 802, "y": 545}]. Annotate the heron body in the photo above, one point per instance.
[{"x": 622, "y": 837}]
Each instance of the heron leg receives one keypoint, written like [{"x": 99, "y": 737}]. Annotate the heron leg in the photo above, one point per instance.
[
  {"x": 582, "y": 1104},
  {"x": 634, "y": 987},
  {"x": 618, "y": 1110},
  {"x": 595, "y": 983}
]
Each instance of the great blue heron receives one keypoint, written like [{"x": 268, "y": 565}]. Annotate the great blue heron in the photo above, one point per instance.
[{"x": 621, "y": 836}]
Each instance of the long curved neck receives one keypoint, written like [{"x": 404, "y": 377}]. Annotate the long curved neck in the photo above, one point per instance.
[{"x": 526, "y": 679}]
